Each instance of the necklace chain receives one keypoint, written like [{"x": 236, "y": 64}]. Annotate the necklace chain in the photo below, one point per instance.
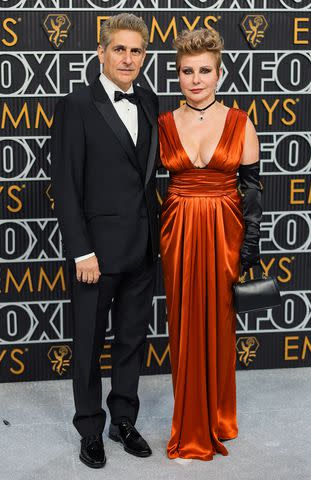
[{"x": 201, "y": 110}]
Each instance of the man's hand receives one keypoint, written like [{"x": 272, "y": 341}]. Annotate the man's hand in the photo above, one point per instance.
[{"x": 88, "y": 270}]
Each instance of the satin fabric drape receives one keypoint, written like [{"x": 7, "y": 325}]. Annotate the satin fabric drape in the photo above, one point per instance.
[{"x": 201, "y": 235}]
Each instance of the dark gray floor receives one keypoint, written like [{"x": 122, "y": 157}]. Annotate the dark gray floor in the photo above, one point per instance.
[{"x": 274, "y": 411}]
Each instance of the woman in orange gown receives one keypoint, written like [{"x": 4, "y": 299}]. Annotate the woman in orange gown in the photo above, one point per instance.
[{"x": 201, "y": 237}]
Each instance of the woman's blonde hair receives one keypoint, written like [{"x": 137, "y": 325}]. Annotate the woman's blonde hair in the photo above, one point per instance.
[
  {"x": 198, "y": 41},
  {"x": 123, "y": 21}
]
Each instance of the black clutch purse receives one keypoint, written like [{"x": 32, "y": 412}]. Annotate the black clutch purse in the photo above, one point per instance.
[{"x": 256, "y": 294}]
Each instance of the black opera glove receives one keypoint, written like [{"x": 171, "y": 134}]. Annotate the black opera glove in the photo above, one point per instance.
[{"x": 250, "y": 188}]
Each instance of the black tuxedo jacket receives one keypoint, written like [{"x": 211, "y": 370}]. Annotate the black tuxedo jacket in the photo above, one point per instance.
[{"x": 105, "y": 199}]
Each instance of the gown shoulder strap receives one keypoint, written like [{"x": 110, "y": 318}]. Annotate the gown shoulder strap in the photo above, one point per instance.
[
  {"x": 232, "y": 144},
  {"x": 163, "y": 118}
]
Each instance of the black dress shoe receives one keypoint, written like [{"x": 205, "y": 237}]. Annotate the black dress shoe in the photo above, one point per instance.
[
  {"x": 92, "y": 451},
  {"x": 132, "y": 441}
]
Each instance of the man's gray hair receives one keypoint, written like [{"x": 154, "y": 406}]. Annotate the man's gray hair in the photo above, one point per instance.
[{"x": 123, "y": 21}]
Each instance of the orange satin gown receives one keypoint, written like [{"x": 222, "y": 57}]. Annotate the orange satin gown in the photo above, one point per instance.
[{"x": 201, "y": 235}]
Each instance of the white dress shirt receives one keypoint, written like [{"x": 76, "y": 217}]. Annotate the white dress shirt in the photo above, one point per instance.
[{"x": 127, "y": 112}]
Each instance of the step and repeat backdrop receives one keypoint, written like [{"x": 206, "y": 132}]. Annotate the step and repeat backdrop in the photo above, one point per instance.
[{"x": 48, "y": 49}]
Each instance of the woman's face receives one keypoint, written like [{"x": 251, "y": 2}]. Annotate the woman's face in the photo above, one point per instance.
[{"x": 198, "y": 77}]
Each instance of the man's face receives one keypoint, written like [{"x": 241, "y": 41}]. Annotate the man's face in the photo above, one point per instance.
[{"x": 123, "y": 57}]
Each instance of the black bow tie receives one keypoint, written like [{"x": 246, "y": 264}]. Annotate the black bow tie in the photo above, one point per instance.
[{"x": 131, "y": 97}]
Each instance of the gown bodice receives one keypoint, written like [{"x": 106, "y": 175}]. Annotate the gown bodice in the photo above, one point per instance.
[{"x": 218, "y": 177}]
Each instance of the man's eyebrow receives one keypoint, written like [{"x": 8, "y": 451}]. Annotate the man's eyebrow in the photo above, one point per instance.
[{"x": 124, "y": 47}]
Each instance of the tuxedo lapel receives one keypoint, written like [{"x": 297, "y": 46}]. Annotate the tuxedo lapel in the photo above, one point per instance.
[
  {"x": 147, "y": 107},
  {"x": 152, "y": 118},
  {"x": 107, "y": 110},
  {"x": 152, "y": 153}
]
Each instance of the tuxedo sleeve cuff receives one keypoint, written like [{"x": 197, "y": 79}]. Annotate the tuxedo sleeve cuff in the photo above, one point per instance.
[{"x": 84, "y": 257}]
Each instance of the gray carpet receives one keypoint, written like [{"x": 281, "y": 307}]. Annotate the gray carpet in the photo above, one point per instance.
[{"x": 274, "y": 412}]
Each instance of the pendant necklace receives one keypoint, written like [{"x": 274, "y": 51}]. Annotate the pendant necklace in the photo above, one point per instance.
[{"x": 201, "y": 110}]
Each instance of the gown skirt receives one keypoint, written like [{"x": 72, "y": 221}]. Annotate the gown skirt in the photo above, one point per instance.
[{"x": 201, "y": 235}]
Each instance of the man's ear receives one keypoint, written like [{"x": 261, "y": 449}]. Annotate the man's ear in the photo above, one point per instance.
[
  {"x": 143, "y": 58},
  {"x": 101, "y": 54}
]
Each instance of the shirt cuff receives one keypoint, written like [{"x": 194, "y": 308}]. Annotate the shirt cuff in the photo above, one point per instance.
[{"x": 84, "y": 257}]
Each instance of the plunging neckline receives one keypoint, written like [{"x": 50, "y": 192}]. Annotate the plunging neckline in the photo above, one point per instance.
[{"x": 216, "y": 148}]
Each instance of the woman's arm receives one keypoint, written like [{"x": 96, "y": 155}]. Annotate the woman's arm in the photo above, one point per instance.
[
  {"x": 251, "y": 145},
  {"x": 250, "y": 188}
]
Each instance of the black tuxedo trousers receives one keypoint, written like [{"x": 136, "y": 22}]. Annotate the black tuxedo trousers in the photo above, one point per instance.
[
  {"x": 105, "y": 200},
  {"x": 131, "y": 308}
]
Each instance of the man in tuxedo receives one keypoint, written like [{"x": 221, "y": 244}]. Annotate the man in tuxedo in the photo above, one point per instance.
[{"x": 104, "y": 156}]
